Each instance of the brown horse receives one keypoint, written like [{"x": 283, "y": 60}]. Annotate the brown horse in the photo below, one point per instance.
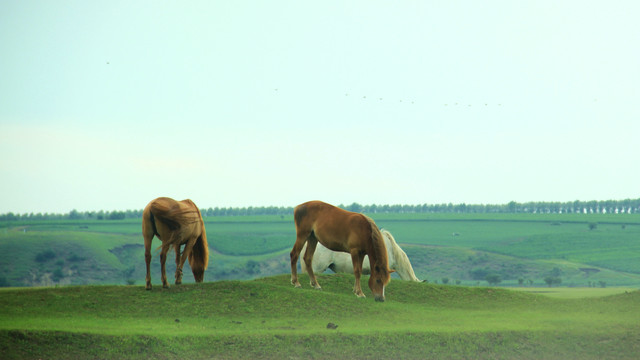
[
  {"x": 175, "y": 223},
  {"x": 340, "y": 230}
]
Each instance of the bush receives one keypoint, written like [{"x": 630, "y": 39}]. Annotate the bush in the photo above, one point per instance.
[
  {"x": 58, "y": 275},
  {"x": 75, "y": 258},
  {"x": 552, "y": 280},
  {"x": 479, "y": 274},
  {"x": 493, "y": 279},
  {"x": 45, "y": 256}
]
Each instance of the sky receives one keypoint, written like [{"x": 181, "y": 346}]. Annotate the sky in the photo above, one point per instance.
[{"x": 106, "y": 105}]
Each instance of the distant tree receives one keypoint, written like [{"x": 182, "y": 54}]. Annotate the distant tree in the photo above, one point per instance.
[
  {"x": 552, "y": 280},
  {"x": 75, "y": 215},
  {"x": 445, "y": 280},
  {"x": 556, "y": 272},
  {"x": 602, "y": 284},
  {"x": 57, "y": 274},
  {"x": 593, "y": 226},
  {"x": 479, "y": 274},
  {"x": 253, "y": 267},
  {"x": 520, "y": 281},
  {"x": 493, "y": 279},
  {"x": 117, "y": 215},
  {"x": 355, "y": 207}
]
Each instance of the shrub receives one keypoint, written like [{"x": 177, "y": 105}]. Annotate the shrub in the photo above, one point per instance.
[
  {"x": 45, "y": 256},
  {"x": 58, "y": 274},
  {"x": 552, "y": 280},
  {"x": 493, "y": 279}
]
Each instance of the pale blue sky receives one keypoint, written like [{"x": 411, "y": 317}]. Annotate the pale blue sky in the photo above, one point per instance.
[{"x": 106, "y": 105}]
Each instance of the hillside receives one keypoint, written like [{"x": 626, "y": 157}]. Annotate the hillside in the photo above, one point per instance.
[
  {"x": 453, "y": 248},
  {"x": 268, "y": 318}
]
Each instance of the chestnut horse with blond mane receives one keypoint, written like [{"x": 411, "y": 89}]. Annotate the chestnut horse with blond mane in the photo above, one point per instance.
[
  {"x": 345, "y": 231},
  {"x": 340, "y": 262},
  {"x": 175, "y": 223}
]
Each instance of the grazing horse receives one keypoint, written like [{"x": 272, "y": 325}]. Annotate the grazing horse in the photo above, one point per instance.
[
  {"x": 345, "y": 231},
  {"x": 324, "y": 259},
  {"x": 175, "y": 223}
]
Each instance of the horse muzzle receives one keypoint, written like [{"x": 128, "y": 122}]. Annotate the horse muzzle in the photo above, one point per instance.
[{"x": 380, "y": 298}]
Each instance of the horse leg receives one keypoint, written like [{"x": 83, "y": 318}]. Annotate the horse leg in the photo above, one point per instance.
[
  {"x": 147, "y": 258},
  {"x": 178, "y": 265},
  {"x": 312, "y": 242},
  {"x": 295, "y": 254},
  {"x": 357, "y": 257},
  {"x": 180, "y": 260},
  {"x": 163, "y": 261},
  {"x": 147, "y": 234}
]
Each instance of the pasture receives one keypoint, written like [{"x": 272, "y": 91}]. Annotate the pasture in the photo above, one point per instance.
[
  {"x": 452, "y": 248},
  {"x": 267, "y": 319},
  {"x": 246, "y": 308}
]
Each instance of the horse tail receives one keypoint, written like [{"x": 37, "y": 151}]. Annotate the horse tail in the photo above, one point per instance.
[
  {"x": 403, "y": 267},
  {"x": 152, "y": 222},
  {"x": 199, "y": 256},
  {"x": 299, "y": 213}
]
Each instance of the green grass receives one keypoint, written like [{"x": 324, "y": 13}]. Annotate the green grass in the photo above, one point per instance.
[
  {"x": 440, "y": 246},
  {"x": 576, "y": 293},
  {"x": 268, "y": 318}
]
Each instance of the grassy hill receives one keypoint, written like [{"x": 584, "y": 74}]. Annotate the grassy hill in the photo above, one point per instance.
[
  {"x": 458, "y": 248},
  {"x": 267, "y": 318}
]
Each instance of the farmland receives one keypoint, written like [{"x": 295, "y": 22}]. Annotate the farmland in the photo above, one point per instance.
[{"x": 523, "y": 249}]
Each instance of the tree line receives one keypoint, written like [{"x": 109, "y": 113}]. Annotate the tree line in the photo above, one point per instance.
[{"x": 627, "y": 206}]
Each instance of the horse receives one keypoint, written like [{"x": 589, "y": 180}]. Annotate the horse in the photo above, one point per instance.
[
  {"x": 175, "y": 223},
  {"x": 345, "y": 231},
  {"x": 324, "y": 259}
]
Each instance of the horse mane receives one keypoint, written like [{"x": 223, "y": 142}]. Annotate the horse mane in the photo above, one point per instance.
[
  {"x": 404, "y": 268},
  {"x": 199, "y": 257},
  {"x": 378, "y": 246}
]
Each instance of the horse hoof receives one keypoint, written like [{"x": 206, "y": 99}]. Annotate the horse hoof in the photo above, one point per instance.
[{"x": 148, "y": 287}]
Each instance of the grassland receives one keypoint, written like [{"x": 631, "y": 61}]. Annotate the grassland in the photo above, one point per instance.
[
  {"x": 458, "y": 248},
  {"x": 263, "y": 316},
  {"x": 267, "y": 318}
]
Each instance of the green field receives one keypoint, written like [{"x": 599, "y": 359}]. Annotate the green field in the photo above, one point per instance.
[
  {"x": 247, "y": 309},
  {"x": 453, "y": 248},
  {"x": 270, "y": 319}
]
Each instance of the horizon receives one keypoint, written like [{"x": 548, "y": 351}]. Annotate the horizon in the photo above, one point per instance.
[{"x": 342, "y": 205}]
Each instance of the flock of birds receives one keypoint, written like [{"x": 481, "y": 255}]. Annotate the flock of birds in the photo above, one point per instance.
[{"x": 365, "y": 97}]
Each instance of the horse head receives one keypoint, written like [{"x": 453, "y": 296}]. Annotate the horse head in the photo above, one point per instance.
[{"x": 380, "y": 277}]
